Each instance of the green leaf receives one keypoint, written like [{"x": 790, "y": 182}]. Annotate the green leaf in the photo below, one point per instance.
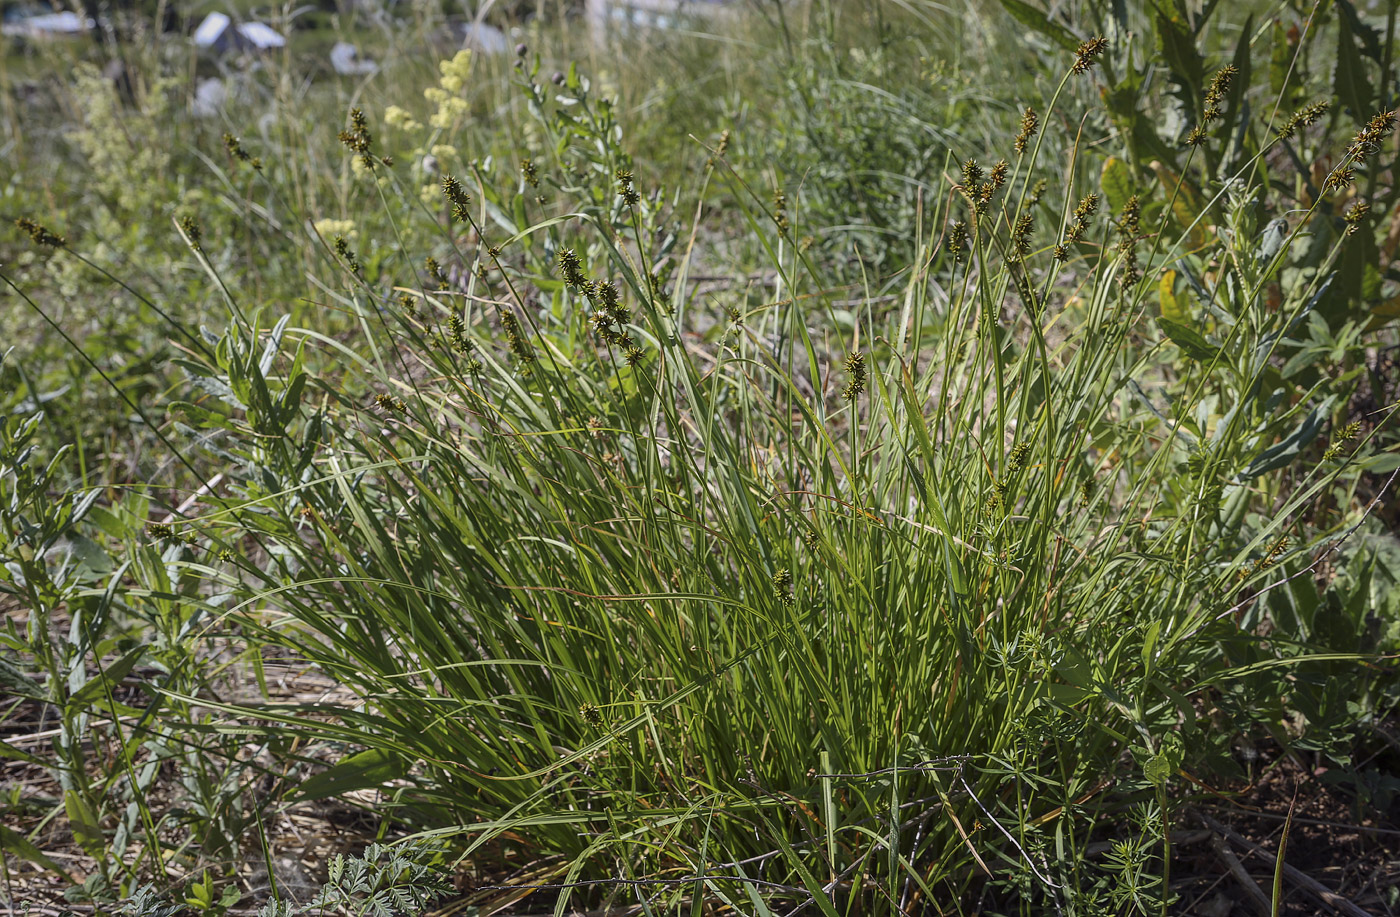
[
  {"x": 1283, "y": 79},
  {"x": 1117, "y": 183},
  {"x": 14, "y": 679},
  {"x": 1296, "y": 441},
  {"x": 1384, "y": 463},
  {"x": 1243, "y": 78},
  {"x": 11, "y": 841},
  {"x": 1157, "y": 770},
  {"x": 96, "y": 690},
  {"x": 87, "y": 831},
  {"x": 1189, "y": 340},
  {"x": 365, "y": 770},
  {"x": 1035, "y": 19},
  {"x": 86, "y": 553},
  {"x": 1149, "y": 643},
  {"x": 1178, "y": 46},
  {"x": 1349, "y": 79},
  {"x": 1370, "y": 37},
  {"x": 11, "y": 753}
]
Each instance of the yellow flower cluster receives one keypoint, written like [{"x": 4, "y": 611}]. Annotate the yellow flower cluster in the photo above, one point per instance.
[
  {"x": 456, "y": 71},
  {"x": 397, "y": 117},
  {"x": 328, "y": 229},
  {"x": 446, "y": 95}
]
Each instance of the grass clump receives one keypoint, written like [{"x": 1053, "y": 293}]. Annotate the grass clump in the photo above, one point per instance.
[{"x": 669, "y": 551}]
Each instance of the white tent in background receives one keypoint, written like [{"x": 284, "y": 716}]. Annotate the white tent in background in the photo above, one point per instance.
[
  {"x": 218, "y": 33},
  {"x": 483, "y": 38},
  {"x": 262, "y": 37},
  {"x": 605, "y": 15},
  {"x": 47, "y": 25},
  {"x": 346, "y": 60},
  {"x": 210, "y": 95}
]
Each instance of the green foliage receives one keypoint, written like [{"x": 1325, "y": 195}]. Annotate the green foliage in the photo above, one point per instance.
[{"x": 808, "y": 515}]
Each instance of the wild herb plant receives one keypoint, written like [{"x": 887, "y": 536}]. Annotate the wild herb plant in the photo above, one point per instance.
[
  {"x": 778, "y": 591},
  {"x": 813, "y": 609}
]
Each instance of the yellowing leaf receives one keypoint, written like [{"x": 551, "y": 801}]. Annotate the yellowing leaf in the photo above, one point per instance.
[
  {"x": 1384, "y": 313},
  {"x": 1117, "y": 183},
  {"x": 1171, "y": 306},
  {"x": 1186, "y": 202}
]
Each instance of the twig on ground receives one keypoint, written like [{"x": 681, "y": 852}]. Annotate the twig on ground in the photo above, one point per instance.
[
  {"x": 1252, "y": 890},
  {"x": 1305, "y": 882}
]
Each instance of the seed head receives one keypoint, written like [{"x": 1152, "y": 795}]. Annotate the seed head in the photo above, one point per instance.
[
  {"x": 1030, "y": 122},
  {"x": 780, "y": 216},
  {"x": 358, "y": 139},
  {"x": 996, "y": 500},
  {"x": 1218, "y": 89},
  {"x": 855, "y": 368},
  {"x": 1338, "y": 179},
  {"x": 457, "y": 334},
  {"x": 1129, "y": 231},
  {"x": 190, "y": 227},
  {"x": 435, "y": 273},
  {"x": 235, "y": 149},
  {"x": 1338, "y": 444},
  {"x": 39, "y": 235},
  {"x": 1128, "y": 218},
  {"x": 1088, "y": 205},
  {"x": 1088, "y": 54},
  {"x": 998, "y": 174},
  {"x": 1304, "y": 117},
  {"x": 1356, "y": 216},
  {"x": 972, "y": 175},
  {"x": 520, "y": 347},
  {"x": 782, "y": 587},
  {"x": 452, "y": 189},
  {"x": 625, "y": 187},
  {"x": 607, "y": 294},
  {"x": 1368, "y": 140},
  {"x": 390, "y": 404},
  {"x": 342, "y": 248},
  {"x": 1278, "y": 549},
  {"x": 1020, "y": 455},
  {"x": 984, "y": 197},
  {"x": 956, "y": 243},
  {"x": 591, "y": 716},
  {"x": 571, "y": 267},
  {"x": 530, "y": 172},
  {"x": 1021, "y": 236}
]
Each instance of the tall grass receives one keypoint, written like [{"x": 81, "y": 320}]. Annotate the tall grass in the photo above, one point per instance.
[
  {"x": 818, "y": 607},
  {"x": 781, "y": 590}
]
